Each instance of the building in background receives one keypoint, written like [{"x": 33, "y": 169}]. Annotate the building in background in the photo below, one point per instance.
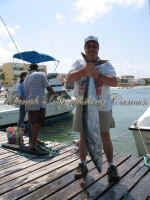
[
  {"x": 140, "y": 81},
  {"x": 11, "y": 72},
  {"x": 129, "y": 80},
  {"x": 147, "y": 81}
]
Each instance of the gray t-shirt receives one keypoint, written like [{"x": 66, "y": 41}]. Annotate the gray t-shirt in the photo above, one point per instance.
[{"x": 35, "y": 84}]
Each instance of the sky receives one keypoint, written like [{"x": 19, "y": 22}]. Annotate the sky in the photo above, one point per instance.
[{"x": 59, "y": 27}]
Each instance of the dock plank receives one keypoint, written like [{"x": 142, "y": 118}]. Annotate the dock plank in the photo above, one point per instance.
[
  {"x": 37, "y": 165},
  {"x": 141, "y": 185},
  {"x": 32, "y": 172},
  {"x": 24, "y": 162},
  {"x": 75, "y": 188},
  {"x": 16, "y": 154},
  {"x": 24, "y": 178},
  {"x": 100, "y": 185},
  {"x": 15, "y": 191},
  {"x": 61, "y": 180},
  {"x": 47, "y": 181},
  {"x": 129, "y": 173}
]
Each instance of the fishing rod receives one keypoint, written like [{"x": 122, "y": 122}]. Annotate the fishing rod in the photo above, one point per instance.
[{"x": 9, "y": 34}]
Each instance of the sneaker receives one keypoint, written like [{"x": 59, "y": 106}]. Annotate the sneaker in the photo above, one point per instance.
[
  {"x": 39, "y": 150},
  {"x": 82, "y": 171},
  {"x": 40, "y": 143},
  {"x": 113, "y": 176},
  {"x": 44, "y": 147}
]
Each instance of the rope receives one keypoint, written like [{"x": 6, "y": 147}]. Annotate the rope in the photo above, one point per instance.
[
  {"x": 147, "y": 156},
  {"x": 144, "y": 145}
]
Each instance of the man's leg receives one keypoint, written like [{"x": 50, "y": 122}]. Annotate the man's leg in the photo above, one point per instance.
[
  {"x": 77, "y": 126},
  {"x": 35, "y": 146},
  {"x": 82, "y": 147},
  {"x": 107, "y": 122},
  {"x": 35, "y": 124},
  {"x": 22, "y": 114},
  {"x": 41, "y": 121},
  {"x": 113, "y": 176},
  {"x": 35, "y": 130},
  {"x": 82, "y": 169},
  {"x": 107, "y": 146}
]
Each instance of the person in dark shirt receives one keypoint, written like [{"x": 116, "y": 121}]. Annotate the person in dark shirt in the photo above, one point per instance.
[{"x": 21, "y": 97}]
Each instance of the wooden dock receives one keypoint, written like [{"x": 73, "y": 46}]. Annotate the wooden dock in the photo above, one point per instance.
[{"x": 39, "y": 178}]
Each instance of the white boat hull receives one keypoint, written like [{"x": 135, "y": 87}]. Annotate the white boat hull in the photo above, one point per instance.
[
  {"x": 141, "y": 133},
  {"x": 9, "y": 114},
  {"x": 141, "y": 142}
]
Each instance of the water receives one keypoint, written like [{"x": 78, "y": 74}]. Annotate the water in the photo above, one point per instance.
[{"x": 124, "y": 115}]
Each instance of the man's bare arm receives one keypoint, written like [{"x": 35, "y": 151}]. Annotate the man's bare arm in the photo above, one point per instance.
[
  {"x": 85, "y": 71},
  {"x": 109, "y": 80},
  {"x": 76, "y": 75},
  {"x": 50, "y": 89},
  {"x": 106, "y": 79}
]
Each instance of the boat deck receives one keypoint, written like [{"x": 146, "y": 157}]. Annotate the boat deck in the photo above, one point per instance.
[{"x": 37, "y": 178}]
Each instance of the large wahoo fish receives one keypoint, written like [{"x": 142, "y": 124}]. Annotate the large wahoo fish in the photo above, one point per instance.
[{"x": 91, "y": 125}]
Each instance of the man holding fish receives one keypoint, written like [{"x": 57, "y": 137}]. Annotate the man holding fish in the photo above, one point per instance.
[{"x": 104, "y": 76}]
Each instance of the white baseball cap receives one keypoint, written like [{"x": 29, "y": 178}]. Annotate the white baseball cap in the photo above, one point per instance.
[{"x": 91, "y": 38}]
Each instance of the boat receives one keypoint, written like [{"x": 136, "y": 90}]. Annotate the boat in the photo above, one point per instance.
[
  {"x": 3, "y": 95},
  {"x": 9, "y": 110},
  {"x": 141, "y": 133}
]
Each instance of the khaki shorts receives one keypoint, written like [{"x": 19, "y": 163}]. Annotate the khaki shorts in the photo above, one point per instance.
[{"x": 105, "y": 118}]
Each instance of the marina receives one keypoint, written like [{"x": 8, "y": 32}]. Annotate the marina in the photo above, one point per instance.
[
  {"x": 9, "y": 110},
  {"x": 60, "y": 130},
  {"x": 124, "y": 115},
  {"x": 41, "y": 157},
  {"x": 23, "y": 177}
]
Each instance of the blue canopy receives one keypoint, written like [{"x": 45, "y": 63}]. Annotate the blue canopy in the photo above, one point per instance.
[{"x": 33, "y": 57}]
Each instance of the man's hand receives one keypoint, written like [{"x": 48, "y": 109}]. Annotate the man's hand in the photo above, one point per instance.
[
  {"x": 90, "y": 69},
  {"x": 20, "y": 98},
  {"x": 55, "y": 94},
  {"x": 95, "y": 74}
]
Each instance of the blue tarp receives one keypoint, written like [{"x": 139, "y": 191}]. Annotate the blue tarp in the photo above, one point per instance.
[{"x": 33, "y": 57}]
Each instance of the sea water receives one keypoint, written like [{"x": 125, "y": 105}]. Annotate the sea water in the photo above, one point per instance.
[{"x": 126, "y": 109}]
